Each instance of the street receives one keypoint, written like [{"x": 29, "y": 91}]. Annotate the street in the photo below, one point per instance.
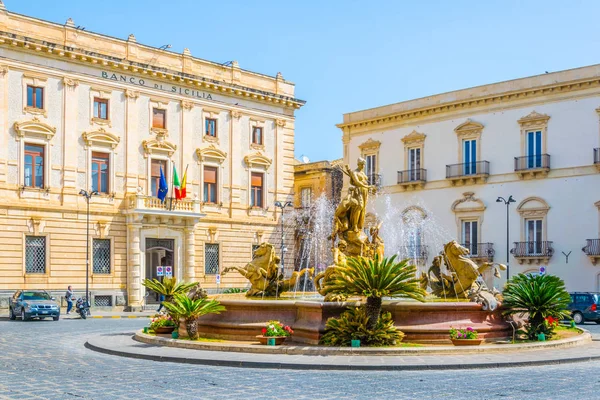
[{"x": 47, "y": 360}]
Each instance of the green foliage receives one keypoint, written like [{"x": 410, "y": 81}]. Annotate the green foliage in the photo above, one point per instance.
[
  {"x": 234, "y": 290},
  {"x": 188, "y": 308},
  {"x": 353, "y": 324},
  {"x": 463, "y": 333},
  {"x": 168, "y": 287},
  {"x": 536, "y": 297},
  {"x": 160, "y": 320},
  {"x": 276, "y": 328}
]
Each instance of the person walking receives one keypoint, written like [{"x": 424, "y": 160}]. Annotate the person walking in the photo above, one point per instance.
[
  {"x": 69, "y": 297},
  {"x": 161, "y": 298}
]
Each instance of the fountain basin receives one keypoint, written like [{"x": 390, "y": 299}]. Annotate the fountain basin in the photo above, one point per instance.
[{"x": 420, "y": 322}]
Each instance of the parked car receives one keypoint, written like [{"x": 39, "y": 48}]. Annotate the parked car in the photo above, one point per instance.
[
  {"x": 33, "y": 304},
  {"x": 585, "y": 306}
]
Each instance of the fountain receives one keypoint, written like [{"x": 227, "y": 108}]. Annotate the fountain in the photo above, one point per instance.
[{"x": 451, "y": 276}]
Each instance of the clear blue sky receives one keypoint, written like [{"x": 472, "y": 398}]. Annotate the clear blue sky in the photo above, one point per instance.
[{"x": 346, "y": 55}]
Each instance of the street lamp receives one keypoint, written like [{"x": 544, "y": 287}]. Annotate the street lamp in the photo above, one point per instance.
[
  {"x": 507, "y": 202},
  {"x": 88, "y": 196},
  {"x": 282, "y": 206}
]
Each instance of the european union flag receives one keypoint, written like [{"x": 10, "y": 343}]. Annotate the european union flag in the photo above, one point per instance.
[{"x": 163, "y": 188}]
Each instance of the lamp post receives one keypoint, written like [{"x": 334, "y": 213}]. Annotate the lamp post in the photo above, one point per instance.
[
  {"x": 282, "y": 206},
  {"x": 507, "y": 203},
  {"x": 88, "y": 196}
]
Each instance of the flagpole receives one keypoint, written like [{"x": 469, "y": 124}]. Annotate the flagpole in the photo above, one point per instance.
[{"x": 172, "y": 183}]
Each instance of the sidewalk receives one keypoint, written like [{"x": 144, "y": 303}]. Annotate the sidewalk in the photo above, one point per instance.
[
  {"x": 108, "y": 314},
  {"x": 125, "y": 346}
]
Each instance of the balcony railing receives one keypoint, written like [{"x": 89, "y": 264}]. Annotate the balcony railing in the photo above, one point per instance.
[
  {"x": 540, "y": 161},
  {"x": 416, "y": 252},
  {"x": 412, "y": 175},
  {"x": 467, "y": 169},
  {"x": 592, "y": 248},
  {"x": 480, "y": 250},
  {"x": 141, "y": 202},
  {"x": 532, "y": 249},
  {"x": 597, "y": 156},
  {"x": 374, "y": 180}
]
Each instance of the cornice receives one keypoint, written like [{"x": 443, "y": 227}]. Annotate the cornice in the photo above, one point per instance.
[
  {"x": 534, "y": 118},
  {"x": 414, "y": 138},
  {"x": 468, "y": 128},
  {"x": 82, "y": 55},
  {"x": 370, "y": 145},
  {"x": 464, "y": 105}
]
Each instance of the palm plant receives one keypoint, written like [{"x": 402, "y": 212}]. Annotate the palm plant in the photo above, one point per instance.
[
  {"x": 168, "y": 287},
  {"x": 191, "y": 309},
  {"x": 374, "y": 279},
  {"x": 538, "y": 297}
]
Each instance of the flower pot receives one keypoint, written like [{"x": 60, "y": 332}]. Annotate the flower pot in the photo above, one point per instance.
[
  {"x": 164, "y": 329},
  {"x": 145, "y": 329},
  {"x": 466, "y": 342},
  {"x": 355, "y": 343},
  {"x": 278, "y": 339},
  {"x": 541, "y": 337},
  {"x": 175, "y": 335}
]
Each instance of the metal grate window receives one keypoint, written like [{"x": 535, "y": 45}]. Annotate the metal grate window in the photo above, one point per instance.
[
  {"x": 103, "y": 301},
  {"x": 211, "y": 258},
  {"x": 101, "y": 256},
  {"x": 35, "y": 254}
]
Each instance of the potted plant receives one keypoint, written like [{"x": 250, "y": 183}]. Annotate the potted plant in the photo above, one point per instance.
[
  {"x": 464, "y": 337},
  {"x": 162, "y": 323},
  {"x": 191, "y": 309},
  {"x": 276, "y": 331}
]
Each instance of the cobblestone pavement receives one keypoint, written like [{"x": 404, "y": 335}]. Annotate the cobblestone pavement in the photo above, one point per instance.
[{"x": 47, "y": 360}]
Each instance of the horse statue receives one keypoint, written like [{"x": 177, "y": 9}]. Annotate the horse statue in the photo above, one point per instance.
[
  {"x": 263, "y": 273},
  {"x": 461, "y": 277}
]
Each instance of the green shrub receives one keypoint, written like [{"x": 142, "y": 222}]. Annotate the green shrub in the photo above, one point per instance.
[{"x": 353, "y": 324}]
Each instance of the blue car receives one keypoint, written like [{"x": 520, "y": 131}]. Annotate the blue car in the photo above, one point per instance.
[
  {"x": 585, "y": 306},
  {"x": 28, "y": 304}
]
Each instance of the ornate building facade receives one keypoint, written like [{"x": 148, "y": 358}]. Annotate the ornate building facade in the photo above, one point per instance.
[
  {"x": 456, "y": 159},
  {"x": 83, "y": 111}
]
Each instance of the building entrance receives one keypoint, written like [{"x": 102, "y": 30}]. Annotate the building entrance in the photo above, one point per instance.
[{"x": 159, "y": 253}]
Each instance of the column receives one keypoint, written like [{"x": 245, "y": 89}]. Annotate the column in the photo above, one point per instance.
[
  {"x": 189, "y": 273},
  {"x": 187, "y": 148},
  {"x": 134, "y": 266},
  {"x": 70, "y": 140},
  {"x": 3, "y": 121},
  {"x": 132, "y": 141},
  {"x": 235, "y": 157}
]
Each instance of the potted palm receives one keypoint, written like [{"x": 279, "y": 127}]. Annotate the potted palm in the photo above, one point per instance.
[
  {"x": 191, "y": 309},
  {"x": 537, "y": 298},
  {"x": 168, "y": 287}
]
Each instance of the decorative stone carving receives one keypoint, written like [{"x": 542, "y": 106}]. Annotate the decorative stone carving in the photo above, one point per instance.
[
  {"x": 280, "y": 122},
  {"x": 35, "y": 225},
  {"x": 257, "y": 159},
  {"x": 102, "y": 228},
  {"x": 70, "y": 83},
  {"x": 534, "y": 120},
  {"x": 34, "y": 127},
  {"x": 370, "y": 145},
  {"x": 211, "y": 152},
  {"x": 236, "y": 114},
  {"x": 212, "y": 234},
  {"x": 158, "y": 146},
  {"x": 102, "y": 137},
  {"x": 468, "y": 129},
  {"x": 187, "y": 105},
  {"x": 132, "y": 94},
  {"x": 468, "y": 197},
  {"x": 533, "y": 207},
  {"x": 3, "y": 70},
  {"x": 414, "y": 139}
]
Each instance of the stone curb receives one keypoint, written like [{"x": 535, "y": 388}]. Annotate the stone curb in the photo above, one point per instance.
[{"x": 579, "y": 340}]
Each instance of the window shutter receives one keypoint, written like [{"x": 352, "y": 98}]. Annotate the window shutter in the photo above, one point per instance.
[
  {"x": 257, "y": 179},
  {"x": 210, "y": 175}
]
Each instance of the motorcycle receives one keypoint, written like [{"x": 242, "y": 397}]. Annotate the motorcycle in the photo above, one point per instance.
[{"x": 82, "y": 308}]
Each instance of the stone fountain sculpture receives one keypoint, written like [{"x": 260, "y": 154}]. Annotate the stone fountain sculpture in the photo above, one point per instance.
[
  {"x": 454, "y": 275},
  {"x": 264, "y": 274}
]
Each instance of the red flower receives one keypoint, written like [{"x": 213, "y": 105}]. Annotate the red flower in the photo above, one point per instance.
[{"x": 264, "y": 331}]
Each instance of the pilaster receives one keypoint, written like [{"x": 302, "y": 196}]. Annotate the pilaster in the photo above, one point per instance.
[
  {"x": 187, "y": 144},
  {"x": 235, "y": 158},
  {"x": 70, "y": 140},
  {"x": 132, "y": 140},
  {"x": 3, "y": 121},
  {"x": 134, "y": 266},
  {"x": 190, "y": 258}
]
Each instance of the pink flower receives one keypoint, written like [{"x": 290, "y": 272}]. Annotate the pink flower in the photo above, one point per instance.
[{"x": 469, "y": 328}]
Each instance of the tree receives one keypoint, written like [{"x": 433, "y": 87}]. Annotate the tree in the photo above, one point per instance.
[
  {"x": 191, "y": 309},
  {"x": 377, "y": 278},
  {"x": 168, "y": 287},
  {"x": 538, "y": 297}
]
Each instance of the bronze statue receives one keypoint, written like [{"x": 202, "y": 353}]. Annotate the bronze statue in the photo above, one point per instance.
[
  {"x": 459, "y": 278},
  {"x": 264, "y": 274},
  {"x": 323, "y": 279}
]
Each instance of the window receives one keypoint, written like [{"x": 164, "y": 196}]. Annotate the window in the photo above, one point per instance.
[
  {"x": 470, "y": 156},
  {"x": 211, "y": 258},
  {"x": 210, "y": 184},
  {"x": 155, "y": 175},
  {"x": 256, "y": 190},
  {"x": 533, "y": 236},
  {"x": 210, "y": 127},
  {"x": 414, "y": 163},
  {"x": 305, "y": 197},
  {"x": 469, "y": 236},
  {"x": 257, "y": 135},
  {"x": 100, "y": 108},
  {"x": 100, "y": 171},
  {"x": 534, "y": 149},
  {"x": 35, "y": 97},
  {"x": 101, "y": 256},
  {"x": 35, "y": 254},
  {"x": 34, "y": 165},
  {"x": 159, "y": 118}
]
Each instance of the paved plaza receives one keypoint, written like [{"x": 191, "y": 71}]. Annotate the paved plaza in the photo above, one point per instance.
[{"x": 48, "y": 360}]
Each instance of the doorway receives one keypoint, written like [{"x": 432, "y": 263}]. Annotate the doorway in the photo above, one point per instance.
[{"x": 159, "y": 252}]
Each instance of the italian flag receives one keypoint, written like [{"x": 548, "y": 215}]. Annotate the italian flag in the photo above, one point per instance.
[{"x": 179, "y": 186}]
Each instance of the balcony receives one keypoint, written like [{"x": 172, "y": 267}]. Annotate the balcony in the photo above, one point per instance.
[
  {"x": 597, "y": 158},
  {"x": 152, "y": 210},
  {"x": 536, "y": 166},
  {"x": 532, "y": 252},
  {"x": 592, "y": 250},
  {"x": 468, "y": 173},
  {"x": 412, "y": 179},
  {"x": 375, "y": 180},
  {"x": 416, "y": 253},
  {"x": 480, "y": 252}
]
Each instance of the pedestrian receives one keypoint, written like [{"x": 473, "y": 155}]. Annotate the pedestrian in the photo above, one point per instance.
[
  {"x": 69, "y": 297},
  {"x": 161, "y": 298}
]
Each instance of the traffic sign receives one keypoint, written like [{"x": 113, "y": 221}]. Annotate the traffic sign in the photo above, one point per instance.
[
  {"x": 542, "y": 270},
  {"x": 218, "y": 279},
  {"x": 160, "y": 271},
  {"x": 169, "y": 271}
]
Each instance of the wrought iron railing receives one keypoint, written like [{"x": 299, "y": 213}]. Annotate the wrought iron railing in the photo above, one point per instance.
[
  {"x": 532, "y": 162},
  {"x": 532, "y": 249},
  {"x": 597, "y": 155},
  {"x": 480, "y": 250},
  {"x": 374, "y": 180},
  {"x": 466, "y": 169},
  {"x": 416, "y": 252},
  {"x": 412, "y": 175},
  {"x": 592, "y": 248}
]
